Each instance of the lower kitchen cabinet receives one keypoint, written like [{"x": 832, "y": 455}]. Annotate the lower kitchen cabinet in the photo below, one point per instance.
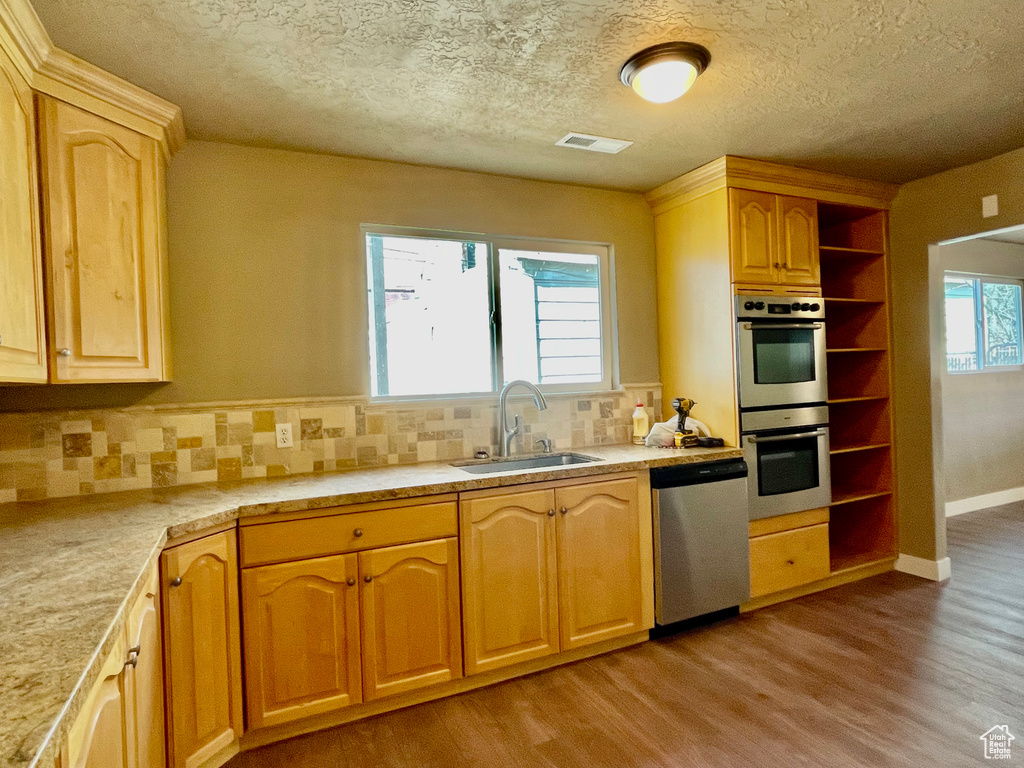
[
  {"x": 301, "y": 624},
  {"x": 202, "y": 648},
  {"x": 600, "y": 593},
  {"x": 329, "y": 632},
  {"x": 410, "y": 611},
  {"x": 553, "y": 569},
  {"x": 788, "y": 551},
  {"x": 121, "y": 724}
]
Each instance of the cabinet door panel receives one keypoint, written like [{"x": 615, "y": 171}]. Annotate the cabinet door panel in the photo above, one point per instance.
[
  {"x": 753, "y": 238},
  {"x": 99, "y": 737},
  {"x": 203, "y": 658},
  {"x": 410, "y": 610},
  {"x": 301, "y": 638},
  {"x": 798, "y": 240},
  {"x": 104, "y": 245},
  {"x": 22, "y": 326},
  {"x": 600, "y": 593},
  {"x": 509, "y": 583},
  {"x": 146, "y": 679}
]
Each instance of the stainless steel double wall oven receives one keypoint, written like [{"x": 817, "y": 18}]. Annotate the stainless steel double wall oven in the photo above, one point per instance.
[{"x": 783, "y": 389}]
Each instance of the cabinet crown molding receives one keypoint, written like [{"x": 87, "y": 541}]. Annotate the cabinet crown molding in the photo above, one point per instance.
[
  {"x": 747, "y": 173},
  {"x": 55, "y": 72}
]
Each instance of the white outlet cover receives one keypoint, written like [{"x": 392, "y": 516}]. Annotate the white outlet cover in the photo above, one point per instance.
[
  {"x": 284, "y": 436},
  {"x": 989, "y": 206}
]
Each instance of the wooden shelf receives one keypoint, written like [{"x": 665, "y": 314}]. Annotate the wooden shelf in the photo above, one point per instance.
[
  {"x": 848, "y": 497},
  {"x": 859, "y": 560},
  {"x": 850, "y": 252},
  {"x": 859, "y": 447},
  {"x": 863, "y": 399},
  {"x": 839, "y": 300},
  {"x": 857, "y": 349}
]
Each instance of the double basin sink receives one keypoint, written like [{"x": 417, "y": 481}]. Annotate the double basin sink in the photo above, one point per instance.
[{"x": 487, "y": 466}]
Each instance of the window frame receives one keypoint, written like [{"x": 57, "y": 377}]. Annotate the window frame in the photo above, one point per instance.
[
  {"x": 494, "y": 244},
  {"x": 979, "y": 321}
]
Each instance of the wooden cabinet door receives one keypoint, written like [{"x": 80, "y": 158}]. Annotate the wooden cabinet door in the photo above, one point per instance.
[
  {"x": 753, "y": 238},
  {"x": 301, "y": 638},
  {"x": 203, "y": 648},
  {"x": 600, "y": 594},
  {"x": 509, "y": 579},
  {"x": 410, "y": 607},
  {"x": 99, "y": 736},
  {"x": 22, "y": 324},
  {"x": 103, "y": 200},
  {"x": 798, "y": 240},
  {"x": 145, "y": 679}
]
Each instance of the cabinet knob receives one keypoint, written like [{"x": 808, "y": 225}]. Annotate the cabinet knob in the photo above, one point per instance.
[
  {"x": 790, "y": 562},
  {"x": 351, "y": 582},
  {"x": 133, "y": 657},
  {"x": 551, "y": 513},
  {"x": 367, "y": 578},
  {"x": 176, "y": 581},
  {"x": 1, "y": 340},
  {"x": 357, "y": 532},
  {"x": 65, "y": 352},
  {"x": 564, "y": 510}
]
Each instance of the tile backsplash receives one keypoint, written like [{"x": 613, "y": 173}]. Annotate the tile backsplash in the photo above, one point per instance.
[{"x": 53, "y": 453}]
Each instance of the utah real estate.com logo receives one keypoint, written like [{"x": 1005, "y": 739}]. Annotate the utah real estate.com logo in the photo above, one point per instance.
[{"x": 997, "y": 742}]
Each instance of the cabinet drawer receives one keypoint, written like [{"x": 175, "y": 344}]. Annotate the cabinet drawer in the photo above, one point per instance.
[
  {"x": 319, "y": 536},
  {"x": 784, "y": 560}
]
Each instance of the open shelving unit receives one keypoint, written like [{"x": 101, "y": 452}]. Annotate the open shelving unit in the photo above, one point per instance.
[{"x": 854, "y": 283}]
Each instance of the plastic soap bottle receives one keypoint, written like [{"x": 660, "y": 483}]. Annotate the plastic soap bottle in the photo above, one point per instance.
[{"x": 641, "y": 424}]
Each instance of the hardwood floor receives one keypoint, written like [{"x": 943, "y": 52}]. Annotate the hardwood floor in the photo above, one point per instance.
[{"x": 891, "y": 671}]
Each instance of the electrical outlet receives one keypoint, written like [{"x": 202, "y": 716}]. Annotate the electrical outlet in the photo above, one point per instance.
[
  {"x": 284, "y": 436},
  {"x": 990, "y": 206}
]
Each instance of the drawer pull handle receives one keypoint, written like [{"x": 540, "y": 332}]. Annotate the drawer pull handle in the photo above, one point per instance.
[
  {"x": 357, "y": 532},
  {"x": 351, "y": 582},
  {"x": 367, "y": 578},
  {"x": 176, "y": 581}
]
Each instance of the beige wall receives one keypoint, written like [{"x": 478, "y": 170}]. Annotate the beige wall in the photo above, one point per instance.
[
  {"x": 267, "y": 279},
  {"x": 928, "y": 211},
  {"x": 982, "y": 413}
]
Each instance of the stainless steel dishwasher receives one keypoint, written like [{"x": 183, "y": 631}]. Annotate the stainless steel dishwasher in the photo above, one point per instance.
[{"x": 701, "y": 545}]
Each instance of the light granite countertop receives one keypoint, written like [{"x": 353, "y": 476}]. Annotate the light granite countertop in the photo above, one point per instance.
[{"x": 70, "y": 567}]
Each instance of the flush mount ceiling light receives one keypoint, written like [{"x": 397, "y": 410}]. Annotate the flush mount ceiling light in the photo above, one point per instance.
[{"x": 664, "y": 72}]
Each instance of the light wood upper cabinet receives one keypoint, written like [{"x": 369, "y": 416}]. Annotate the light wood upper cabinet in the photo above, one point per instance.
[
  {"x": 100, "y": 734},
  {"x": 773, "y": 239},
  {"x": 599, "y": 564},
  {"x": 202, "y": 648},
  {"x": 510, "y": 584},
  {"x": 753, "y": 234},
  {"x": 410, "y": 613},
  {"x": 22, "y": 323},
  {"x": 103, "y": 205},
  {"x": 798, "y": 240},
  {"x": 301, "y": 638},
  {"x": 145, "y": 679}
]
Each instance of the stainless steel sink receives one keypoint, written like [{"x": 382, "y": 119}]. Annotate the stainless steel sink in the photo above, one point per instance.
[{"x": 487, "y": 466}]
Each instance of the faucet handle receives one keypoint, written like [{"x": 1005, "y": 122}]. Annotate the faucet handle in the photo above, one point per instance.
[{"x": 544, "y": 442}]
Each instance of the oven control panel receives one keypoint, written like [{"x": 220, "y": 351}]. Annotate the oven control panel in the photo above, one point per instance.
[{"x": 779, "y": 307}]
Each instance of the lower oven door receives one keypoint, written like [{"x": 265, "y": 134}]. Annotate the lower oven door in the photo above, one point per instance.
[{"x": 789, "y": 471}]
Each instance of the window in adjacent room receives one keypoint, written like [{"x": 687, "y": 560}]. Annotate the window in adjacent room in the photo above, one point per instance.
[
  {"x": 451, "y": 314},
  {"x": 983, "y": 323}
]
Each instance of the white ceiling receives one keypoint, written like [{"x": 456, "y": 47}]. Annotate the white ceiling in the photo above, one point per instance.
[
  {"x": 884, "y": 89},
  {"x": 1008, "y": 236}
]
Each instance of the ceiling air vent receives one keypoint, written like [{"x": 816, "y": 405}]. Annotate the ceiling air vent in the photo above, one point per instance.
[{"x": 592, "y": 143}]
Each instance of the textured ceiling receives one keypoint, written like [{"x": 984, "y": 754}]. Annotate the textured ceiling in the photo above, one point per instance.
[{"x": 884, "y": 89}]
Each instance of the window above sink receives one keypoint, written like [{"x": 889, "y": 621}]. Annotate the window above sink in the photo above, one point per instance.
[{"x": 453, "y": 314}]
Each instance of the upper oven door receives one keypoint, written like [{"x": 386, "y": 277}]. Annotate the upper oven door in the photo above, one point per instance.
[{"x": 781, "y": 363}]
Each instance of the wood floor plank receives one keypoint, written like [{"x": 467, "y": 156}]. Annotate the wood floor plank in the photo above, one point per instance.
[{"x": 890, "y": 671}]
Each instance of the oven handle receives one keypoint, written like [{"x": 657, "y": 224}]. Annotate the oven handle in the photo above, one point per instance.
[
  {"x": 785, "y": 326},
  {"x": 780, "y": 438}
]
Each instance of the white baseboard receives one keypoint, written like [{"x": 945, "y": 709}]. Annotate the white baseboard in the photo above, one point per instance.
[
  {"x": 954, "y": 508},
  {"x": 934, "y": 570}
]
